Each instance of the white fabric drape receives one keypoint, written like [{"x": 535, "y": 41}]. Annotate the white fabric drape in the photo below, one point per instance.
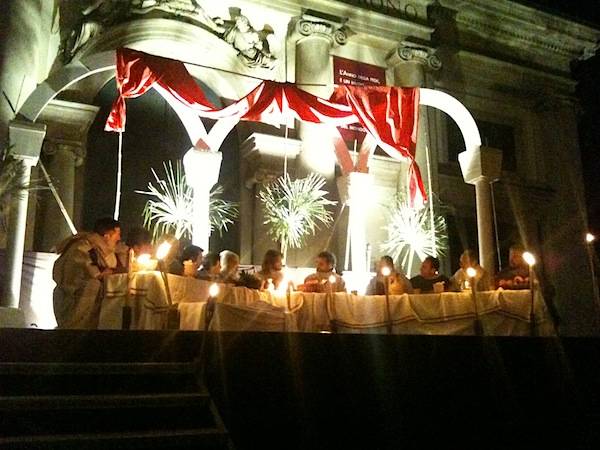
[{"x": 503, "y": 313}]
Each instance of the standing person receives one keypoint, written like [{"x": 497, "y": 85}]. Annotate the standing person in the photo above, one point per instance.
[
  {"x": 398, "y": 282},
  {"x": 84, "y": 262},
  {"x": 319, "y": 281},
  {"x": 211, "y": 267},
  {"x": 429, "y": 276},
  {"x": 230, "y": 263},
  {"x": 483, "y": 279},
  {"x": 272, "y": 269}
]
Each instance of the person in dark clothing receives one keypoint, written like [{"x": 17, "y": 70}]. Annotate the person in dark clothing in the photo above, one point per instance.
[
  {"x": 211, "y": 267},
  {"x": 516, "y": 275},
  {"x": 191, "y": 253},
  {"x": 429, "y": 276}
]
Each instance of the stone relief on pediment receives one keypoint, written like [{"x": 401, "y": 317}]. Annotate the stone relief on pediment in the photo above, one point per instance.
[{"x": 97, "y": 15}]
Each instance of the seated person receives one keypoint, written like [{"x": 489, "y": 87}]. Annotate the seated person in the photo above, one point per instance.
[
  {"x": 230, "y": 263},
  {"x": 516, "y": 275},
  {"x": 140, "y": 241},
  {"x": 211, "y": 268},
  {"x": 429, "y": 276},
  {"x": 319, "y": 281},
  {"x": 84, "y": 261},
  {"x": 271, "y": 269},
  {"x": 460, "y": 280},
  {"x": 191, "y": 254},
  {"x": 398, "y": 283}
]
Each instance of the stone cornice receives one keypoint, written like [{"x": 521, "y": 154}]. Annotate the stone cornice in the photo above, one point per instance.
[
  {"x": 514, "y": 72},
  {"x": 526, "y": 28}
]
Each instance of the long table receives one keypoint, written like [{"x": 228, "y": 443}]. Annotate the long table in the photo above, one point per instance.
[{"x": 502, "y": 313}]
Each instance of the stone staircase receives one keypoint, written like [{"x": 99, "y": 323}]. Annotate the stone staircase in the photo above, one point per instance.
[{"x": 83, "y": 404}]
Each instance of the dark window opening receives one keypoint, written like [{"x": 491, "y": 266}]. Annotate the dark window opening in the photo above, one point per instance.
[{"x": 495, "y": 135}]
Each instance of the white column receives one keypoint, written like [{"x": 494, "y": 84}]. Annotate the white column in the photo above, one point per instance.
[
  {"x": 314, "y": 74},
  {"x": 481, "y": 167},
  {"x": 485, "y": 228},
  {"x": 61, "y": 163},
  {"x": 63, "y": 152},
  {"x": 25, "y": 145},
  {"x": 354, "y": 191},
  {"x": 409, "y": 62},
  {"x": 202, "y": 170}
]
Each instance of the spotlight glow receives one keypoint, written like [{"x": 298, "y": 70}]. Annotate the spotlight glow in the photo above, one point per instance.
[
  {"x": 529, "y": 258},
  {"x": 163, "y": 250},
  {"x": 144, "y": 259},
  {"x": 213, "y": 290}
]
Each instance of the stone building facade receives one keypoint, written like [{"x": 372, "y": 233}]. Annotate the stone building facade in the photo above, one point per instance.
[{"x": 509, "y": 64}]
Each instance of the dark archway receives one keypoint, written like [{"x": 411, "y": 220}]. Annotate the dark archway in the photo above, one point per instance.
[{"x": 154, "y": 134}]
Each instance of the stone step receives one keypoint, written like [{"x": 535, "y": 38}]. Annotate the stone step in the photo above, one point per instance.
[
  {"x": 96, "y": 378},
  {"x": 169, "y": 439},
  {"x": 88, "y": 419},
  {"x": 62, "y": 368},
  {"x": 91, "y": 402}
]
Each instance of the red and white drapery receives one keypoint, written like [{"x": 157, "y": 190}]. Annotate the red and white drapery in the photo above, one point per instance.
[{"x": 389, "y": 114}]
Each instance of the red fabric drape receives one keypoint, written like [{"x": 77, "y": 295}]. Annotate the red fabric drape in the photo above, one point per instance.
[
  {"x": 137, "y": 72},
  {"x": 390, "y": 114}
]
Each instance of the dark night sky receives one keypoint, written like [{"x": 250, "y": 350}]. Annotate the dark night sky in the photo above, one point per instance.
[{"x": 588, "y": 91}]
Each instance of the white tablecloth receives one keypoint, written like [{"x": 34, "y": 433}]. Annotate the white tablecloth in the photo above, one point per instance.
[{"x": 503, "y": 313}]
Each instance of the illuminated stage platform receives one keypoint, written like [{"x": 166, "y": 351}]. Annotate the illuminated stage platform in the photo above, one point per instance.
[{"x": 277, "y": 390}]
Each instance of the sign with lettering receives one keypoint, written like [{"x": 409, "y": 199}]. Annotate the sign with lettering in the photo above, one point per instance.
[{"x": 356, "y": 73}]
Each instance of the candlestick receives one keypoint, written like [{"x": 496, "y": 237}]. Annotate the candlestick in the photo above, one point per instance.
[
  {"x": 386, "y": 272},
  {"x": 530, "y": 260},
  {"x": 477, "y": 325}
]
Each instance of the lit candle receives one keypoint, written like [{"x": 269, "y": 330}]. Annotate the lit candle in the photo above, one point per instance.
[
  {"x": 386, "y": 272},
  {"x": 332, "y": 282},
  {"x": 144, "y": 262},
  {"x": 530, "y": 260},
  {"x": 478, "y": 326}
]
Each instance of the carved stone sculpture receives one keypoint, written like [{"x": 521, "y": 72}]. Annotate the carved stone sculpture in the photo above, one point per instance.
[{"x": 252, "y": 45}]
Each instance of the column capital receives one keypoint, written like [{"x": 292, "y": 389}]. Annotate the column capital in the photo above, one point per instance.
[
  {"x": 202, "y": 168},
  {"x": 410, "y": 51},
  {"x": 25, "y": 141},
  {"x": 324, "y": 26},
  {"x": 77, "y": 150},
  {"x": 483, "y": 164}
]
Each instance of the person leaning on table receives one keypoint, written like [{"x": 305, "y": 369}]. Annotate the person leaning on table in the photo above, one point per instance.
[
  {"x": 429, "y": 276},
  {"x": 84, "y": 261}
]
